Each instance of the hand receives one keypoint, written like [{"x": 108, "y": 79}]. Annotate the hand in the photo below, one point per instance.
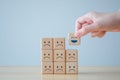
[{"x": 97, "y": 24}]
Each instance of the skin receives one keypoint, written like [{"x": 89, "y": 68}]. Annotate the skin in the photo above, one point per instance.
[{"x": 97, "y": 24}]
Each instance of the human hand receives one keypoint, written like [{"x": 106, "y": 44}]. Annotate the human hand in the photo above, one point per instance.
[{"x": 97, "y": 24}]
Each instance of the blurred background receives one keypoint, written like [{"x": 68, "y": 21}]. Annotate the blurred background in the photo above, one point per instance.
[{"x": 24, "y": 22}]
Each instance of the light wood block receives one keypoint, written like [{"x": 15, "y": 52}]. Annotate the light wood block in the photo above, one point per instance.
[
  {"x": 71, "y": 67},
  {"x": 47, "y": 55},
  {"x": 73, "y": 40},
  {"x": 47, "y": 67},
  {"x": 47, "y": 43},
  {"x": 72, "y": 55},
  {"x": 59, "y": 55},
  {"x": 59, "y": 43},
  {"x": 59, "y": 67}
]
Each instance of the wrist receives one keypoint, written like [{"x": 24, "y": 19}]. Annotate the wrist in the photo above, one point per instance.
[{"x": 117, "y": 16}]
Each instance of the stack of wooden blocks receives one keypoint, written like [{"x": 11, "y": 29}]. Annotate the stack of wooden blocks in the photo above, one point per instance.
[{"x": 56, "y": 59}]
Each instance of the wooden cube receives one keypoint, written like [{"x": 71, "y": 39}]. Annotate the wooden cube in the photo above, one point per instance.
[
  {"x": 59, "y": 67},
  {"x": 73, "y": 40},
  {"x": 72, "y": 55},
  {"x": 71, "y": 67},
  {"x": 47, "y": 43},
  {"x": 47, "y": 55},
  {"x": 59, "y": 43},
  {"x": 59, "y": 55},
  {"x": 47, "y": 67}
]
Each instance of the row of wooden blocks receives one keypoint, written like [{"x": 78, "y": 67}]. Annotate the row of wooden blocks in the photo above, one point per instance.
[
  {"x": 59, "y": 67},
  {"x": 53, "y": 43},
  {"x": 59, "y": 55}
]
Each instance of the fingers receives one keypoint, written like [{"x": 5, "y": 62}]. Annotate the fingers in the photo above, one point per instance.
[
  {"x": 82, "y": 26},
  {"x": 84, "y": 30},
  {"x": 98, "y": 34},
  {"x": 81, "y": 21}
]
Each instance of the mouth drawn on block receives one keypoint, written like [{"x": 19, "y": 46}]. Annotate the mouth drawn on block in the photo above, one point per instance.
[
  {"x": 74, "y": 41},
  {"x": 59, "y": 45},
  {"x": 71, "y": 57},
  {"x": 59, "y": 57},
  {"x": 71, "y": 70},
  {"x": 47, "y": 45},
  {"x": 59, "y": 70},
  {"x": 46, "y": 57},
  {"x": 47, "y": 69}
]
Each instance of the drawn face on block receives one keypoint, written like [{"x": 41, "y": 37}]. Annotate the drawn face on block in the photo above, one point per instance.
[
  {"x": 47, "y": 43},
  {"x": 73, "y": 40},
  {"x": 47, "y": 67},
  {"x": 59, "y": 55},
  {"x": 59, "y": 43},
  {"x": 71, "y": 55},
  {"x": 47, "y": 55},
  {"x": 59, "y": 67},
  {"x": 71, "y": 67}
]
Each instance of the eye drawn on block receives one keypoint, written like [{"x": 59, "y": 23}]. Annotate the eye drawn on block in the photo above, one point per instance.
[
  {"x": 59, "y": 68},
  {"x": 59, "y": 56}
]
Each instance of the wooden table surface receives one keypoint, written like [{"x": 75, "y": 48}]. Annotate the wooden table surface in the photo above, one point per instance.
[{"x": 85, "y": 73}]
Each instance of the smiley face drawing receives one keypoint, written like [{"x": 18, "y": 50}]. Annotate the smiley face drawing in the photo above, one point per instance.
[
  {"x": 71, "y": 55},
  {"x": 59, "y": 67},
  {"x": 73, "y": 40},
  {"x": 47, "y": 67},
  {"x": 71, "y": 67},
  {"x": 47, "y": 55},
  {"x": 59, "y": 43},
  {"x": 47, "y": 43},
  {"x": 59, "y": 55}
]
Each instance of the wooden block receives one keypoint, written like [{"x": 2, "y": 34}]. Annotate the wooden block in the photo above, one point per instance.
[
  {"x": 47, "y": 55},
  {"x": 47, "y": 43},
  {"x": 72, "y": 55},
  {"x": 73, "y": 40},
  {"x": 59, "y": 67},
  {"x": 47, "y": 67},
  {"x": 59, "y": 55},
  {"x": 71, "y": 67},
  {"x": 59, "y": 43}
]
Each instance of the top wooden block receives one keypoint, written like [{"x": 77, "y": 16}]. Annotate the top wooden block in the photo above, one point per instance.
[
  {"x": 73, "y": 40},
  {"x": 59, "y": 43},
  {"x": 47, "y": 43}
]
